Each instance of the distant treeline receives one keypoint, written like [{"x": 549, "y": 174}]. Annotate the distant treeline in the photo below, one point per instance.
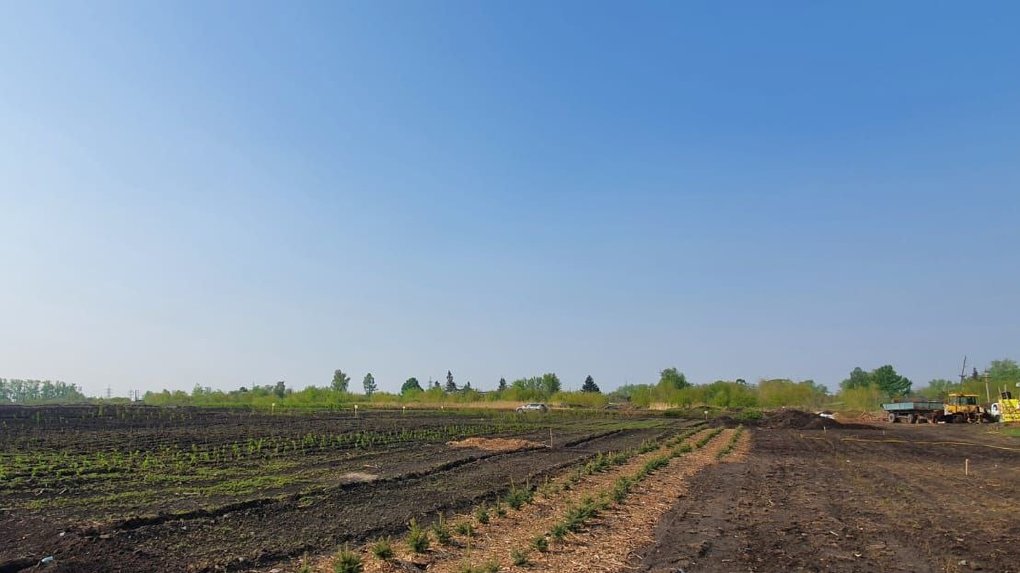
[
  {"x": 672, "y": 390},
  {"x": 17, "y": 391}
]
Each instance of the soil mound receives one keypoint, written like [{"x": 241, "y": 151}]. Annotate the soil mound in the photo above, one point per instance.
[
  {"x": 800, "y": 420},
  {"x": 495, "y": 444}
]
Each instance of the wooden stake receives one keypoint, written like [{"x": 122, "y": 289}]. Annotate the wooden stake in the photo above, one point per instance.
[{"x": 966, "y": 467}]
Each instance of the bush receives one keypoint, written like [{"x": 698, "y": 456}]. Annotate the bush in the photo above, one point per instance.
[
  {"x": 383, "y": 549},
  {"x": 518, "y": 496},
  {"x": 559, "y": 531},
  {"x": 417, "y": 538},
  {"x": 441, "y": 530},
  {"x": 347, "y": 561},
  {"x": 482, "y": 514},
  {"x": 540, "y": 543},
  {"x": 518, "y": 557}
]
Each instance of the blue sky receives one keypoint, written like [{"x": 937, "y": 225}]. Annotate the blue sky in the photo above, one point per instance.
[{"x": 236, "y": 193}]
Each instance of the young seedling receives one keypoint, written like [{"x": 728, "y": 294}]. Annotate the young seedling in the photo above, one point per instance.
[
  {"x": 417, "y": 538},
  {"x": 441, "y": 530},
  {"x": 383, "y": 549},
  {"x": 482, "y": 514},
  {"x": 347, "y": 561}
]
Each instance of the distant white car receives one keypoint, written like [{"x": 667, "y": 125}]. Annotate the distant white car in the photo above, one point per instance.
[
  {"x": 827, "y": 414},
  {"x": 533, "y": 407}
]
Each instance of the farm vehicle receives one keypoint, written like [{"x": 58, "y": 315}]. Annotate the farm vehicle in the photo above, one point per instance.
[
  {"x": 958, "y": 408},
  {"x": 1006, "y": 410}
]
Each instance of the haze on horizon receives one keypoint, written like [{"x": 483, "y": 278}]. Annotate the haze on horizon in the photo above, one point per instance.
[{"x": 234, "y": 193}]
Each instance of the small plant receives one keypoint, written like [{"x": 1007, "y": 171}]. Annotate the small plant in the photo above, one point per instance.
[
  {"x": 559, "y": 531},
  {"x": 519, "y": 557},
  {"x": 482, "y": 514},
  {"x": 540, "y": 543},
  {"x": 441, "y": 530},
  {"x": 383, "y": 549},
  {"x": 417, "y": 538},
  {"x": 488, "y": 567},
  {"x": 466, "y": 529},
  {"x": 499, "y": 509},
  {"x": 347, "y": 561},
  {"x": 518, "y": 496}
]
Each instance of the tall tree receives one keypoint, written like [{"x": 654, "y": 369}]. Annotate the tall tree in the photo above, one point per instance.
[
  {"x": 450, "y": 386},
  {"x": 550, "y": 383},
  {"x": 502, "y": 384},
  {"x": 280, "y": 389},
  {"x": 672, "y": 378},
  {"x": 938, "y": 389},
  {"x": 369, "y": 383},
  {"x": 340, "y": 381},
  {"x": 1003, "y": 372},
  {"x": 410, "y": 385},
  {"x": 858, "y": 379},
  {"x": 590, "y": 385},
  {"x": 890, "y": 382}
]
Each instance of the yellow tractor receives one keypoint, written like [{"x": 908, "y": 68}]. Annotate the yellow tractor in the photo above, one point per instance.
[{"x": 963, "y": 408}]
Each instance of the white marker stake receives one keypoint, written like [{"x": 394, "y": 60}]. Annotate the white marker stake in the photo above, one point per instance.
[{"x": 966, "y": 467}]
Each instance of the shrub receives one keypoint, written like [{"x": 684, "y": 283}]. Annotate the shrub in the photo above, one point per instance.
[
  {"x": 383, "y": 549},
  {"x": 482, "y": 514},
  {"x": 465, "y": 528},
  {"x": 540, "y": 543},
  {"x": 559, "y": 531},
  {"x": 519, "y": 557},
  {"x": 417, "y": 538},
  {"x": 518, "y": 496},
  {"x": 347, "y": 561},
  {"x": 441, "y": 530}
]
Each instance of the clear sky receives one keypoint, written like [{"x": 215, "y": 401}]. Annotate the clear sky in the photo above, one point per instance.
[{"x": 234, "y": 193}]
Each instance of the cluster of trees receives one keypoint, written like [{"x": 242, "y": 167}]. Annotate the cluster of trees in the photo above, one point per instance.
[
  {"x": 674, "y": 390},
  {"x": 15, "y": 390},
  {"x": 863, "y": 390},
  {"x": 1000, "y": 374}
]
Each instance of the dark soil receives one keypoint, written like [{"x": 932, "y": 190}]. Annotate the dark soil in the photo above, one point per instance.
[
  {"x": 892, "y": 499},
  {"x": 320, "y": 510},
  {"x": 787, "y": 418}
]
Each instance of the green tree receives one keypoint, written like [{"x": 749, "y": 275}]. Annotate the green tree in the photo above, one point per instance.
[
  {"x": 340, "y": 381},
  {"x": 885, "y": 378},
  {"x": 890, "y": 382},
  {"x": 938, "y": 389},
  {"x": 590, "y": 385},
  {"x": 502, "y": 384},
  {"x": 1003, "y": 372},
  {"x": 450, "y": 385},
  {"x": 369, "y": 384},
  {"x": 550, "y": 383},
  {"x": 280, "y": 389},
  {"x": 411, "y": 385},
  {"x": 858, "y": 379},
  {"x": 671, "y": 378}
]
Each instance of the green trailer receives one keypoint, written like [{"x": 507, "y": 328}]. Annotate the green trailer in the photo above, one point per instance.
[{"x": 914, "y": 412}]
